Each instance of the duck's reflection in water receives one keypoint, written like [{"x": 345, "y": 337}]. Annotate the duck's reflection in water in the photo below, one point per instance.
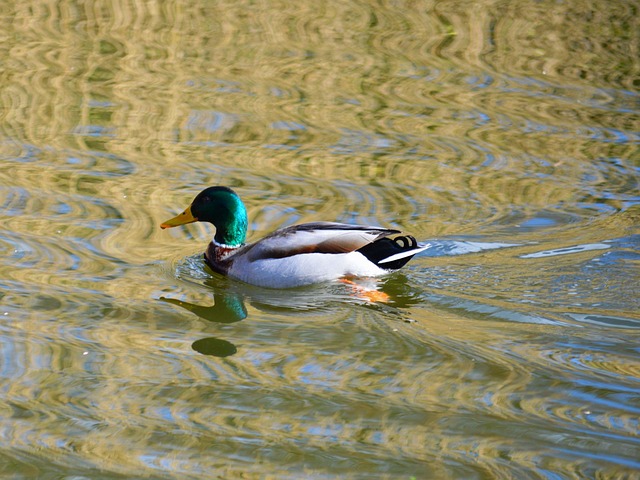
[
  {"x": 229, "y": 303},
  {"x": 227, "y": 308}
]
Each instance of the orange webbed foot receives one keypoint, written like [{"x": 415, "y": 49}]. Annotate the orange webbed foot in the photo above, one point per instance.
[{"x": 366, "y": 293}]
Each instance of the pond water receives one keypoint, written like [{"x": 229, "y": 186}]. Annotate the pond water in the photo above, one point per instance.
[{"x": 505, "y": 133}]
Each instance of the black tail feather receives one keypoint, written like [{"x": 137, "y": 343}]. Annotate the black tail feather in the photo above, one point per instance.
[{"x": 385, "y": 247}]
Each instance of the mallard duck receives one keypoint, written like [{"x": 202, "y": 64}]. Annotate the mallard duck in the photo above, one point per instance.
[{"x": 296, "y": 255}]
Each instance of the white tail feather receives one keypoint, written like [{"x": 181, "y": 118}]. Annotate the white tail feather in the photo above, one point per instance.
[{"x": 408, "y": 253}]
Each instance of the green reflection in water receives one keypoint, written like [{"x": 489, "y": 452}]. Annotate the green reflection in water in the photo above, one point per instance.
[{"x": 227, "y": 308}]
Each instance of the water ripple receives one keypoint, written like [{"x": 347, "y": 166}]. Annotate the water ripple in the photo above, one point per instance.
[{"x": 504, "y": 134}]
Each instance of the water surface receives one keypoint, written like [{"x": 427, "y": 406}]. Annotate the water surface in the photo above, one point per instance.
[{"x": 503, "y": 133}]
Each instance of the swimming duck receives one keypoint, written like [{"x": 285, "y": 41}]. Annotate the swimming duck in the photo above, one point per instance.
[{"x": 296, "y": 255}]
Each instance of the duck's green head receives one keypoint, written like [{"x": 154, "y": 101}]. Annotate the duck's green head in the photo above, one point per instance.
[{"x": 220, "y": 206}]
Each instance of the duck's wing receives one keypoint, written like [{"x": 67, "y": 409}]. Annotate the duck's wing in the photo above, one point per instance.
[{"x": 317, "y": 237}]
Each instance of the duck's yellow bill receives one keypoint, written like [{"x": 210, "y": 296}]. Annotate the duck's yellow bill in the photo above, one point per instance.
[{"x": 182, "y": 219}]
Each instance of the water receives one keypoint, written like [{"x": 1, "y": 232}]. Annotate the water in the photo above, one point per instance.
[{"x": 504, "y": 133}]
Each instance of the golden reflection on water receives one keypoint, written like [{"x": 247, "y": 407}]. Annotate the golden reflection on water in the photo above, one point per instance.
[{"x": 506, "y": 122}]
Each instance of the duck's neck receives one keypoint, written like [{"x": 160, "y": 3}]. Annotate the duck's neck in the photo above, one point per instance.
[
  {"x": 224, "y": 247},
  {"x": 232, "y": 233}
]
